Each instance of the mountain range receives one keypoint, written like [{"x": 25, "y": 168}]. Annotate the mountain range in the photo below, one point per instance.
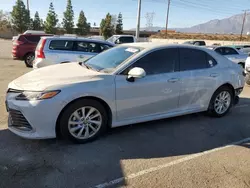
[{"x": 232, "y": 24}]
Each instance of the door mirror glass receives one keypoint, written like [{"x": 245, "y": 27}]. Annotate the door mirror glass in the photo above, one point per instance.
[{"x": 136, "y": 72}]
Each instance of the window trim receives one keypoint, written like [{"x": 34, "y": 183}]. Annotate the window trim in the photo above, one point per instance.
[
  {"x": 203, "y": 51},
  {"x": 122, "y": 69},
  {"x": 60, "y": 40}
]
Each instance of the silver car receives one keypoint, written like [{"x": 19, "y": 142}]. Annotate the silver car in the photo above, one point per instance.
[
  {"x": 64, "y": 49},
  {"x": 127, "y": 84}
]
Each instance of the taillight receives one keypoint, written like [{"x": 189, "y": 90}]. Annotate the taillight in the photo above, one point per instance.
[{"x": 40, "y": 47}]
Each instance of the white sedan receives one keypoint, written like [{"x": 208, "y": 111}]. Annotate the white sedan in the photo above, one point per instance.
[{"x": 128, "y": 84}]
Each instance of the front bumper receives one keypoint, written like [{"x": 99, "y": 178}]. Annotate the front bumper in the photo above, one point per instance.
[{"x": 40, "y": 116}]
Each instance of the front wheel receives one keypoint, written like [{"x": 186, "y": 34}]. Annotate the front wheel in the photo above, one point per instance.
[
  {"x": 221, "y": 102},
  {"x": 83, "y": 121}
]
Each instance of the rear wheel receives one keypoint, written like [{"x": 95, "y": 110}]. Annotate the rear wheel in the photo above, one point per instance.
[
  {"x": 28, "y": 59},
  {"x": 83, "y": 121},
  {"x": 221, "y": 102}
]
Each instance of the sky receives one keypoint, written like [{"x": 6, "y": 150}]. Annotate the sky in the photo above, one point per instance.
[{"x": 183, "y": 13}]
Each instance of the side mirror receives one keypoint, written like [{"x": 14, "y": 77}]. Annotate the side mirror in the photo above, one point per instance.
[
  {"x": 117, "y": 41},
  {"x": 136, "y": 73}
]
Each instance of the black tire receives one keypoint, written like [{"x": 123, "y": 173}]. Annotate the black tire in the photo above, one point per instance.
[
  {"x": 211, "y": 109},
  {"x": 28, "y": 59},
  {"x": 64, "y": 118}
]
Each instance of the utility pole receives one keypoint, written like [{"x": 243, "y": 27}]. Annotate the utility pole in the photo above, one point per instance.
[
  {"x": 167, "y": 18},
  {"x": 138, "y": 20},
  {"x": 243, "y": 23},
  {"x": 28, "y": 6}
]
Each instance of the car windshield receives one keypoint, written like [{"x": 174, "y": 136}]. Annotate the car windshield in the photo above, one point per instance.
[
  {"x": 108, "y": 61},
  {"x": 112, "y": 39}
]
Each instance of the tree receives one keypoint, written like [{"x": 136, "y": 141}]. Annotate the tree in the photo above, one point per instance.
[
  {"x": 37, "y": 22},
  {"x": 82, "y": 26},
  {"x": 68, "y": 20},
  {"x": 20, "y": 17},
  {"x": 106, "y": 28},
  {"x": 51, "y": 20},
  {"x": 119, "y": 25},
  {"x": 5, "y": 21}
]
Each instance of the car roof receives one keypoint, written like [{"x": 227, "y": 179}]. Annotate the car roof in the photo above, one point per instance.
[
  {"x": 154, "y": 45},
  {"x": 78, "y": 38},
  {"x": 123, "y": 35}
]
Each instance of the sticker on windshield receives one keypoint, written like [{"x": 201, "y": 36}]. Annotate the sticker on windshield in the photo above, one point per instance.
[{"x": 132, "y": 50}]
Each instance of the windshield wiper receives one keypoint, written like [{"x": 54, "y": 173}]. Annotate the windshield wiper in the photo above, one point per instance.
[{"x": 89, "y": 67}]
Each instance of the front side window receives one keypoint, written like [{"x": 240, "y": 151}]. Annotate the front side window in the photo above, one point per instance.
[
  {"x": 230, "y": 51},
  {"x": 61, "y": 45},
  {"x": 109, "y": 60},
  {"x": 158, "y": 62},
  {"x": 192, "y": 59},
  {"x": 220, "y": 51}
]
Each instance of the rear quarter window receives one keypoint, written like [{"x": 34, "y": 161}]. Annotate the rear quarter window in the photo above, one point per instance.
[
  {"x": 61, "y": 45},
  {"x": 33, "y": 38}
]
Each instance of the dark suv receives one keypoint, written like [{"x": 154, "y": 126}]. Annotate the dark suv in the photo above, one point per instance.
[{"x": 24, "y": 47}]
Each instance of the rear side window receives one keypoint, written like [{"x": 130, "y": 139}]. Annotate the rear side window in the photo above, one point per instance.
[
  {"x": 61, "y": 45},
  {"x": 192, "y": 59},
  {"x": 220, "y": 51},
  {"x": 22, "y": 38},
  {"x": 33, "y": 38}
]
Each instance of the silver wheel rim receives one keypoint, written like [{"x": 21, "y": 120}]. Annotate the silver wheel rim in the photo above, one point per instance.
[
  {"x": 85, "y": 122},
  {"x": 222, "y": 102},
  {"x": 30, "y": 59}
]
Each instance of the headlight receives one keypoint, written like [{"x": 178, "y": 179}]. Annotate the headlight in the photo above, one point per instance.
[{"x": 33, "y": 95}]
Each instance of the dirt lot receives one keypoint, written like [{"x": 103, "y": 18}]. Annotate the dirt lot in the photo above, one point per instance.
[{"x": 187, "y": 151}]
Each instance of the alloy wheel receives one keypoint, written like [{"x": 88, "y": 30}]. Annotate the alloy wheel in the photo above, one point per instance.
[
  {"x": 85, "y": 122},
  {"x": 222, "y": 102}
]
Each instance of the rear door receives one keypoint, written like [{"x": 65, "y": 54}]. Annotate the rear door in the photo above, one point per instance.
[
  {"x": 60, "y": 50},
  {"x": 198, "y": 75}
]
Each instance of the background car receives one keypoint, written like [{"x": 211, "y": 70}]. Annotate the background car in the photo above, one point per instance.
[
  {"x": 196, "y": 43},
  {"x": 24, "y": 46},
  {"x": 233, "y": 54},
  {"x": 60, "y": 49},
  {"x": 127, "y": 84},
  {"x": 122, "y": 39}
]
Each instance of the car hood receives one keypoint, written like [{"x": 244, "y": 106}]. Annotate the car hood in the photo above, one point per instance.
[{"x": 55, "y": 75}]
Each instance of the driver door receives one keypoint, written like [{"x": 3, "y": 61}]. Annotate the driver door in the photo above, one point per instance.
[{"x": 157, "y": 93}]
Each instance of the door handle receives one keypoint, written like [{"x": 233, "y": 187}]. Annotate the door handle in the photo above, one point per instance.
[
  {"x": 173, "y": 80},
  {"x": 214, "y": 75}
]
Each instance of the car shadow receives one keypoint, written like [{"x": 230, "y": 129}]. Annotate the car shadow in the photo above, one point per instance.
[{"x": 57, "y": 163}]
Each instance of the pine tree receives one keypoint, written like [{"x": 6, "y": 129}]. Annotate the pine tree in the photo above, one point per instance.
[
  {"x": 68, "y": 20},
  {"x": 82, "y": 26},
  {"x": 51, "y": 20},
  {"x": 106, "y": 28},
  {"x": 119, "y": 25},
  {"x": 20, "y": 17},
  {"x": 37, "y": 22}
]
